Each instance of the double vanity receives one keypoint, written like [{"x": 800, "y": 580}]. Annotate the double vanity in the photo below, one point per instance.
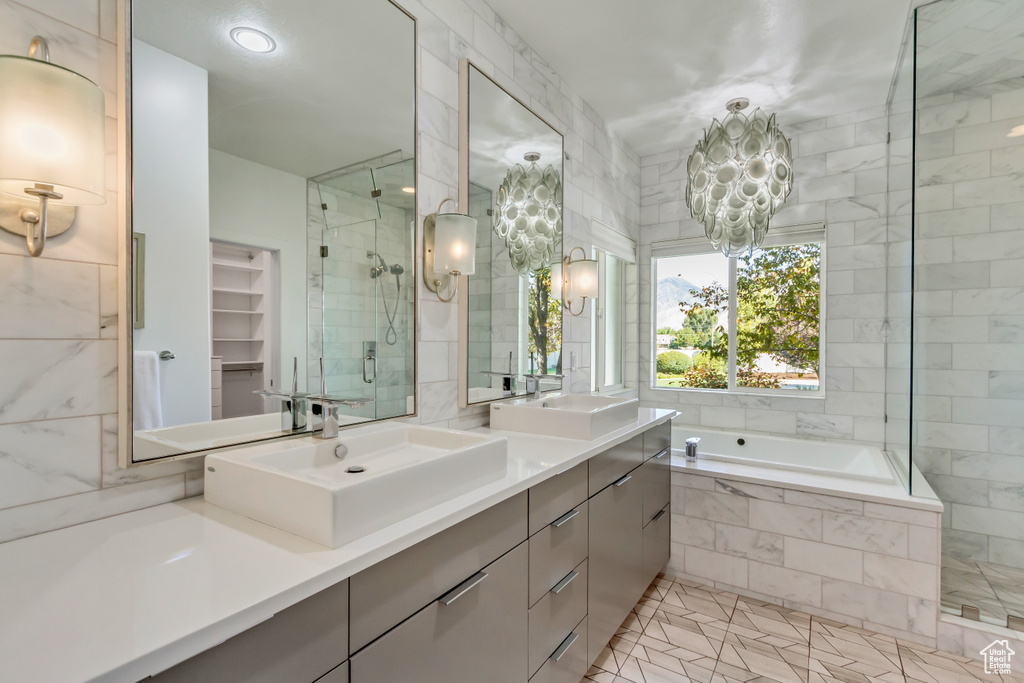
[
  {"x": 487, "y": 555},
  {"x": 530, "y": 588}
]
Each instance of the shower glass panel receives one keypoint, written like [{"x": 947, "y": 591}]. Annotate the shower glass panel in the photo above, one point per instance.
[
  {"x": 968, "y": 314},
  {"x": 899, "y": 261},
  {"x": 363, "y": 305}
]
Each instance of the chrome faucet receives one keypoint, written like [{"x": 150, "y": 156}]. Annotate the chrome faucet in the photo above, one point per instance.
[
  {"x": 691, "y": 447},
  {"x": 325, "y": 409},
  {"x": 294, "y": 405},
  {"x": 535, "y": 391}
]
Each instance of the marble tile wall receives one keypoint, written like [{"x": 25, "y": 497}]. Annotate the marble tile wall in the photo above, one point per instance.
[
  {"x": 868, "y": 564},
  {"x": 841, "y": 175},
  {"x": 969, "y": 368},
  {"x": 58, "y": 422}
]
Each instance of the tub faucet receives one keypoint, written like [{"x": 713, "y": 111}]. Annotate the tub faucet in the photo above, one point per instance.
[{"x": 691, "y": 447}]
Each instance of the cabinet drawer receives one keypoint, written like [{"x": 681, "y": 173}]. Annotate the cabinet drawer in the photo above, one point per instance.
[
  {"x": 615, "y": 560},
  {"x": 550, "y": 499},
  {"x": 657, "y": 543},
  {"x": 338, "y": 675},
  {"x": 657, "y": 477},
  {"x": 481, "y": 636},
  {"x": 657, "y": 439},
  {"x": 616, "y": 461},
  {"x": 553, "y": 618},
  {"x": 301, "y": 643},
  {"x": 392, "y": 590},
  {"x": 571, "y": 665},
  {"x": 555, "y": 550}
]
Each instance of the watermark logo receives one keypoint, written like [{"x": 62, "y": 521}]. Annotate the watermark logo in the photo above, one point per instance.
[{"x": 997, "y": 657}]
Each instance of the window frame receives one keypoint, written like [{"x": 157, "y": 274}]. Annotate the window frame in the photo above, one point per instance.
[
  {"x": 598, "y": 329},
  {"x": 777, "y": 237}
]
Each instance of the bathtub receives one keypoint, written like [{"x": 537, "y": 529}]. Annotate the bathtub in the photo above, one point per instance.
[{"x": 847, "y": 461}]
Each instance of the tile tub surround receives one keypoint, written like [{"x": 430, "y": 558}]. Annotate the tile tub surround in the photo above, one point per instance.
[
  {"x": 864, "y": 560},
  {"x": 841, "y": 176},
  {"x": 168, "y": 582},
  {"x": 70, "y": 405},
  {"x": 686, "y": 632}
]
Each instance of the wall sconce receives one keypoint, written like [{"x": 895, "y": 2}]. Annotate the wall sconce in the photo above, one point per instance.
[
  {"x": 449, "y": 249},
  {"x": 51, "y": 145},
  {"x": 578, "y": 280}
]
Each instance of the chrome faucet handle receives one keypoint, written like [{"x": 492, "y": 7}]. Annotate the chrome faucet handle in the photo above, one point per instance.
[
  {"x": 691, "y": 447},
  {"x": 325, "y": 413},
  {"x": 536, "y": 382},
  {"x": 294, "y": 407}
]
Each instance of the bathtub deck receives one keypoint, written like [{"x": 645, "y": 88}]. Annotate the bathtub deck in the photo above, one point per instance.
[{"x": 683, "y": 632}]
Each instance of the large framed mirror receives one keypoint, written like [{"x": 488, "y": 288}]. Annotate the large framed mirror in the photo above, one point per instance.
[
  {"x": 270, "y": 163},
  {"x": 511, "y": 181}
]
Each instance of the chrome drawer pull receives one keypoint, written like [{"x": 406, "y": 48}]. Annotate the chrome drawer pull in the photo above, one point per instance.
[
  {"x": 661, "y": 455},
  {"x": 463, "y": 588},
  {"x": 658, "y": 516},
  {"x": 622, "y": 481},
  {"x": 566, "y": 580},
  {"x": 565, "y": 518},
  {"x": 564, "y": 647}
]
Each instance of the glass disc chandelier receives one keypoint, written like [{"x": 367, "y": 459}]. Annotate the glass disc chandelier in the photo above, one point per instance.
[
  {"x": 739, "y": 176},
  {"x": 529, "y": 215}
]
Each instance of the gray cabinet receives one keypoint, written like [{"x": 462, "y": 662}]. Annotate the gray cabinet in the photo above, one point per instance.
[
  {"x": 555, "y": 615},
  {"x": 556, "y": 549},
  {"x": 657, "y": 542},
  {"x": 657, "y": 439},
  {"x": 615, "y": 462},
  {"x": 569, "y": 662},
  {"x": 302, "y": 643},
  {"x": 552, "y": 498},
  {"x": 477, "y": 632},
  {"x": 657, "y": 477},
  {"x": 390, "y": 591},
  {"x": 616, "y": 551}
]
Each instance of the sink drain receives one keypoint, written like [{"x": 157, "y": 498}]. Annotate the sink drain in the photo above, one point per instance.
[{"x": 356, "y": 469}]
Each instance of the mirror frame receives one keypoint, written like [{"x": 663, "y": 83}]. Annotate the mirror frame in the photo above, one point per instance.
[
  {"x": 464, "y": 67},
  {"x": 125, "y": 266}
]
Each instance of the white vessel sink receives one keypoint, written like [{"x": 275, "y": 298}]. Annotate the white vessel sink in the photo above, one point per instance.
[
  {"x": 303, "y": 487},
  {"x": 573, "y": 416}
]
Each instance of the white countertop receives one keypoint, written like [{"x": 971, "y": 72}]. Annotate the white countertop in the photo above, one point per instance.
[{"x": 125, "y": 597}]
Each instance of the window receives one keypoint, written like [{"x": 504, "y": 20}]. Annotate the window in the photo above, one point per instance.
[
  {"x": 609, "y": 323},
  {"x": 749, "y": 324}
]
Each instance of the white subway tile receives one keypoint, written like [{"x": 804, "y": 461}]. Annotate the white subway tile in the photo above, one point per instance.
[
  {"x": 862, "y": 533},
  {"x": 825, "y": 560}
]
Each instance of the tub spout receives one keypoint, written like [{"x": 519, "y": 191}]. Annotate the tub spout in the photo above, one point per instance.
[{"x": 691, "y": 447}]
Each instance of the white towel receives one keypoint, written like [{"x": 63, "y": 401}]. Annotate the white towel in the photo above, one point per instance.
[{"x": 147, "y": 411}]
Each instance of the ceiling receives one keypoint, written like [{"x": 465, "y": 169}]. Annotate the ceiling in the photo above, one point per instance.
[
  {"x": 338, "y": 89},
  {"x": 658, "y": 70},
  {"x": 502, "y": 131}
]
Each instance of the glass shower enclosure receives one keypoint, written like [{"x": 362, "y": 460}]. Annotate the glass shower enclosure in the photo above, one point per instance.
[
  {"x": 361, "y": 290},
  {"x": 956, "y": 181}
]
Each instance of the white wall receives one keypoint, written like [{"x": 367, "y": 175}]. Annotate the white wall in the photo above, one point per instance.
[
  {"x": 259, "y": 206},
  {"x": 172, "y": 208},
  {"x": 841, "y": 176},
  {"x": 601, "y": 181}
]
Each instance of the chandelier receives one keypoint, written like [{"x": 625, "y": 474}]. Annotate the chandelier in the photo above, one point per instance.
[
  {"x": 739, "y": 176},
  {"x": 529, "y": 215}
]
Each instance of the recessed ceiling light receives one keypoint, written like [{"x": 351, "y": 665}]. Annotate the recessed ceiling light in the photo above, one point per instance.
[
  {"x": 253, "y": 40},
  {"x": 409, "y": 190},
  {"x": 1016, "y": 132}
]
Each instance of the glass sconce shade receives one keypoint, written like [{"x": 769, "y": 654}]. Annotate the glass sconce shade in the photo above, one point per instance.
[
  {"x": 529, "y": 215},
  {"x": 739, "y": 176},
  {"x": 52, "y": 127},
  {"x": 455, "y": 243},
  {"x": 582, "y": 278},
  {"x": 556, "y": 280}
]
